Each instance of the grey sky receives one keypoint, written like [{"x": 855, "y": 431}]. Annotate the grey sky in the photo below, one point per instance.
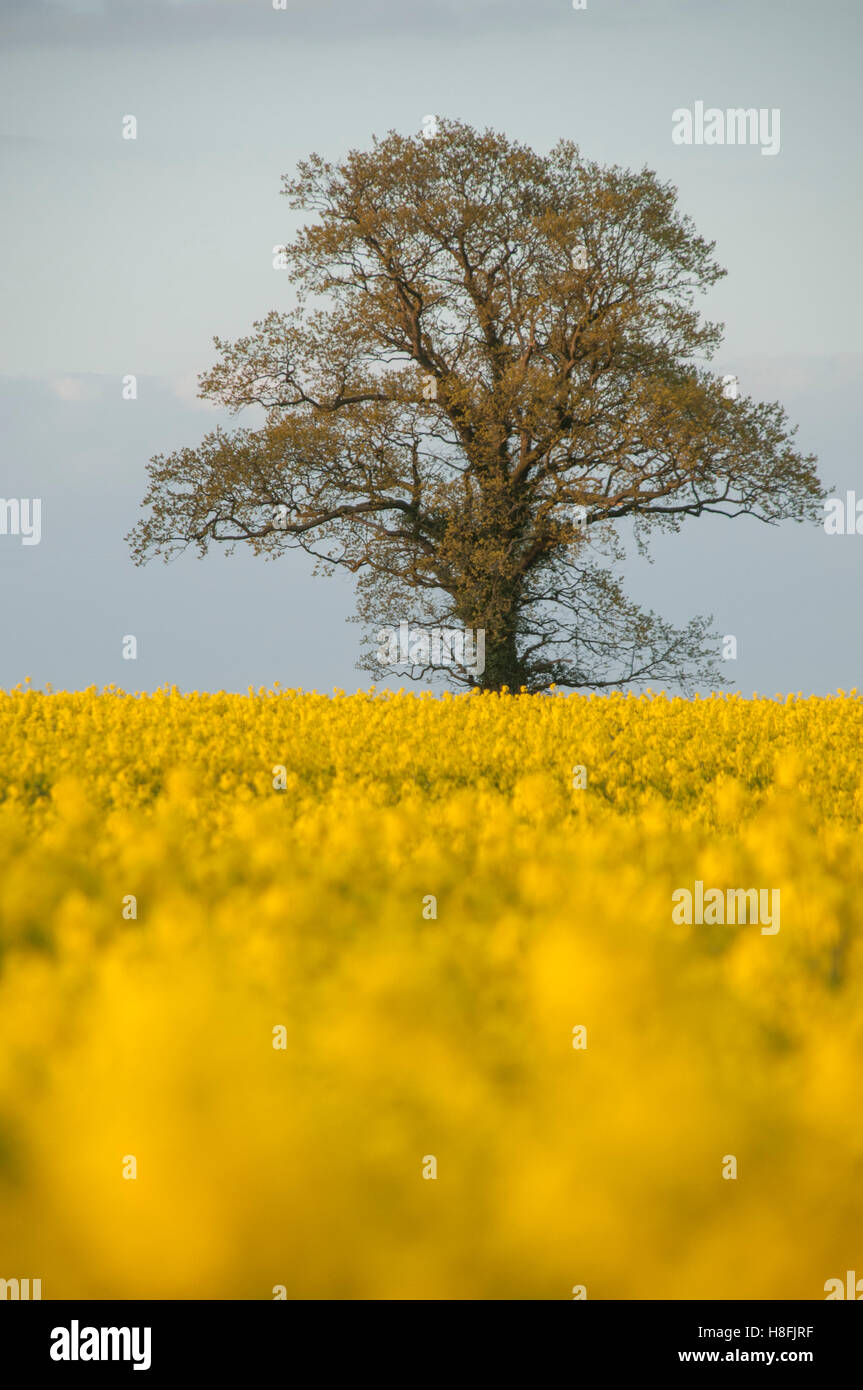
[{"x": 128, "y": 256}]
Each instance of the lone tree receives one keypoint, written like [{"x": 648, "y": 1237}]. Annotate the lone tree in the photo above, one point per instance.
[{"x": 495, "y": 359}]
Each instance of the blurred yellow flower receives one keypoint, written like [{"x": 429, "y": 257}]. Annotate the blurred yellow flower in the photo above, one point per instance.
[{"x": 283, "y": 995}]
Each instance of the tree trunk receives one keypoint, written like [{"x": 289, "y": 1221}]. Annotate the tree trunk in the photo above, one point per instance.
[{"x": 502, "y": 664}]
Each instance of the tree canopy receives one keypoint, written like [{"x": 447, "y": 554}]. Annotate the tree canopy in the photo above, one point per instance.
[{"x": 494, "y": 360}]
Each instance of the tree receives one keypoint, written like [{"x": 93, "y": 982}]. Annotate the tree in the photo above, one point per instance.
[{"x": 495, "y": 359}]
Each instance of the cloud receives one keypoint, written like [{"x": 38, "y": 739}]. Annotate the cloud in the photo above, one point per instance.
[
  {"x": 763, "y": 375},
  {"x": 96, "y": 22},
  {"x": 76, "y": 388},
  {"x": 185, "y": 388}
]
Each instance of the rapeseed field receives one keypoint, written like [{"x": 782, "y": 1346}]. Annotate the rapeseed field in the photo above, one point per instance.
[{"x": 383, "y": 996}]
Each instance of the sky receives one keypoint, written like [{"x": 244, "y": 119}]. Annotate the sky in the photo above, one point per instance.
[{"x": 126, "y": 257}]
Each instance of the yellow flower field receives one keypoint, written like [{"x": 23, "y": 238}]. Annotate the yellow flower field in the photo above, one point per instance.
[{"x": 286, "y": 997}]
